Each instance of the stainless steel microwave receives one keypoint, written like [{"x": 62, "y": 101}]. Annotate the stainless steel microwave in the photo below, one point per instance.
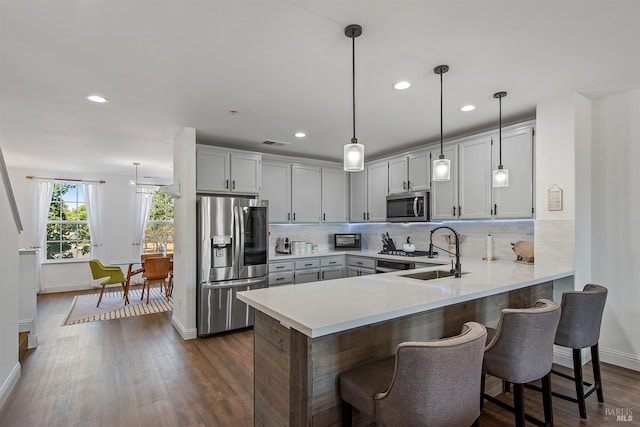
[
  {"x": 346, "y": 241},
  {"x": 409, "y": 207}
]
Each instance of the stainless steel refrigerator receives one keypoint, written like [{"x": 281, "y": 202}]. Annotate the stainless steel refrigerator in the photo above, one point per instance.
[{"x": 232, "y": 257}]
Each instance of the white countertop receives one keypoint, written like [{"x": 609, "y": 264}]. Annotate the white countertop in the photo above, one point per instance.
[{"x": 321, "y": 308}]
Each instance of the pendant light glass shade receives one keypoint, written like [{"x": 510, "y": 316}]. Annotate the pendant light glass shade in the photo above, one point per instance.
[
  {"x": 441, "y": 168},
  {"x": 353, "y": 157},
  {"x": 353, "y": 152},
  {"x": 500, "y": 176}
]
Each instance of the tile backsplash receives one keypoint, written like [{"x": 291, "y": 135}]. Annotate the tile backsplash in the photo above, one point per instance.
[{"x": 474, "y": 234}]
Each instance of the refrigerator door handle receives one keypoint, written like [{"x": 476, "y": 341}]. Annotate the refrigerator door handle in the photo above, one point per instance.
[
  {"x": 234, "y": 283},
  {"x": 241, "y": 237},
  {"x": 237, "y": 220}
]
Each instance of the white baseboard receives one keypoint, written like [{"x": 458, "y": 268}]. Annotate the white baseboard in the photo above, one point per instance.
[
  {"x": 186, "y": 334},
  {"x": 9, "y": 384},
  {"x": 564, "y": 356},
  {"x": 618, "y": 358}
]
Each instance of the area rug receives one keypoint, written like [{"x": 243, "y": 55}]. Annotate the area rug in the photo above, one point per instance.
[{"x": 83, "y": 308}]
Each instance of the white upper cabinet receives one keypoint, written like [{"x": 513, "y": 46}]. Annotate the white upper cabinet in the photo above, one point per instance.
[
  {"x": 377, "y": 191},
  {"x": 474, "y": 173},
  {"x": 358, "y": 196},
  {"x": 409, "y": 172},
  {"x": 305, "y": 193},
  {"x": 444, "y": 194},
  {"x": 219, "y": 171},
  {"x": 419, "y": 171},
  {"x": 334, "y": 195},
  {"x": 276, "y": 188},
  {"x": 516, "y": 200}
]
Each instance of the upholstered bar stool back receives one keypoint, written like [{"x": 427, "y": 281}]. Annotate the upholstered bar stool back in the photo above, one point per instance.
[
  {"x": 522, "y": 351},
  {"x": 433, "y": 383},
  {"x": 579, "y": 328}
]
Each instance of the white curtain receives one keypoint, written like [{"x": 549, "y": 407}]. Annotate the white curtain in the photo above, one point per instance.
[
  {"x": 42, "y": 201},
  {"x": 142, "y": 207},
  {"x": 93, "y": 202}
]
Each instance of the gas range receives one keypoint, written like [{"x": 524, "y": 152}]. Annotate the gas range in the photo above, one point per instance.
[{"x": 403, "y": 253}]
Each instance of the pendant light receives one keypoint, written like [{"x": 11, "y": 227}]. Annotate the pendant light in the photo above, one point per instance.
[
  {"x": 353, "y": 152},
  {"x": 441, "y": 166},
  {"x": 140, "y": 188},
  {"x": 500, "y": 175}
]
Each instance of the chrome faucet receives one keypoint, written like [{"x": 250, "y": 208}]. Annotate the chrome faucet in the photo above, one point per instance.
[{"x": 457, "y": 270}]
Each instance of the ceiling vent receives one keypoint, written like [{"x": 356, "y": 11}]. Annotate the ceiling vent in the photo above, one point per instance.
[{"x": 275, "y": 143}]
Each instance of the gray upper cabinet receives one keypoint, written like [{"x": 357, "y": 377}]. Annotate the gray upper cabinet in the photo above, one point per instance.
[
  {"x": 516, "y": 200},
  {"x": 305, "y": 193},
  {"x": 444, "y": 194},
  {"x": 220, "y": 171},
  {"x": 409, "y": 172},
  {"x": 358, "y": 207},
  {"x": 276, "y": 187},
  {"x": 377, "y": 191},
  {"x": 474, "y": 173},
  {"x": 334, "y": 195}
]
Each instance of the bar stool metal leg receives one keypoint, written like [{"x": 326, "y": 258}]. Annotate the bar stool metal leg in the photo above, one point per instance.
[
  {"x": 577, "y": 370},
  {"x": 597, "y": 378}
]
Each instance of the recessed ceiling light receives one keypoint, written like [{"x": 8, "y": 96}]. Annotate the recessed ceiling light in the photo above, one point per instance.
[
  {"x": 402, "y": 85},
  {"x": 300, "y": 134},
  {"x": 97, "y": 98},
  {"x": 468, "y": 108}
]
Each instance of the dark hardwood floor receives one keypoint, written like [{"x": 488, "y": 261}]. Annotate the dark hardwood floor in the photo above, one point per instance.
[{"x": 139, "y": 372}]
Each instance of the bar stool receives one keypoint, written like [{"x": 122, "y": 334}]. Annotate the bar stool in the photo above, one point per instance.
[
  {"x": 522, "y": 351},
  {"x": 579, "y": 328},
  {"x": 435, "y": 383}
]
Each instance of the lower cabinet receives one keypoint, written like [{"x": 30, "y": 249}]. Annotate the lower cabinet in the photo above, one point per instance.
[
  {"x": 360, "y": 266},
  {"x": 306, "y": 270}
]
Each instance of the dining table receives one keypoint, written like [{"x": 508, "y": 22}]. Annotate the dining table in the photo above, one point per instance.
[{"x": 130, "y": 263}]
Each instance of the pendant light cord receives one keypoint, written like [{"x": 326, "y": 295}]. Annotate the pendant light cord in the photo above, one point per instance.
[
  {"x": 441, "y": 127},
  {"x": 354, "y": 140},
  {"x": 500, "y": 132}
]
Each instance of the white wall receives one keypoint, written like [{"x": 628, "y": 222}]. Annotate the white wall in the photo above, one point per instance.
[
  {"x": 615, "y": 228},
  {"x": 184, "y": 263},
  {"x": 9, "y": 291},
  {"x": 118, "y": 198}
]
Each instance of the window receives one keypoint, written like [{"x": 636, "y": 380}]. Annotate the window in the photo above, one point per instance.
[
  {"x": 158, "y": 235},
  {"x": 67, "y": 227}
]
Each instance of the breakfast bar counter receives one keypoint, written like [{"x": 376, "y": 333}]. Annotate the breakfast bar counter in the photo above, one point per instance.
[{"x": 306, "y": 334}]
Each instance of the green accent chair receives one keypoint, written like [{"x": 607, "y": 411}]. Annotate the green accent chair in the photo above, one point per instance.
[{"x": 112, "y": 273}]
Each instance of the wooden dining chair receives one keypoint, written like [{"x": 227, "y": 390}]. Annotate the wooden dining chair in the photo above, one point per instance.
[{"x": 156, "y": 270}]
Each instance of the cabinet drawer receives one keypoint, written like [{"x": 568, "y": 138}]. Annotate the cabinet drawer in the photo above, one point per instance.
[
  {"x": 281, "y": 266},
  {"x": 362, "y": 262},
  {"x": 332, "y": 261},
  {"x": 306, "y": 276},
  {"x": 307, "y": 263},
  {"x": 284, "y": 278}
]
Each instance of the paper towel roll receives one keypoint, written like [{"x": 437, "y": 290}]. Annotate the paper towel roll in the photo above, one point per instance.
[{"x": 489, "y": 247}]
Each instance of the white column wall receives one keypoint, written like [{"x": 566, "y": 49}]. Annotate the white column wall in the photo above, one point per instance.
[
  {"x": 615, "y": 228},
  {"x": 184, "y": 259},
  {"x": 9, "y": 289}
]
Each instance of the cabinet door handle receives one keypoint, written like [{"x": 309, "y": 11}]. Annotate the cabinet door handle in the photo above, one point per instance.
[
  {"x": 318, "y": 275},
  {"x": 404, "y": 185},
  {"x": 368, "y": 218},
  {"x": 280, "y": 278},
  {"x": 226, "y": 185},
  {"x": 309, "y": 264},
  {"x": 408, "y": 185},
  {"x": 454, "y": 211},
  {"x": 323, "y": 275},
  {"x": 324, "y": 216},
  {"x": 332, "y": 262},
  {"x": 459, "y": 210},
  {"x": 288, "y": 216},
  {"x": 233, "y": 184},
  {"x": 495, "y": 209},
  {"x": 294, "y": 216},
  {"x": 279, "y": 266},
  {"x": 364, "y": 216}
]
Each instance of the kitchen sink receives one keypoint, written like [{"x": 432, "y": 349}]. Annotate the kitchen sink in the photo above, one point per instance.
[{"x": 429, "y": 275}]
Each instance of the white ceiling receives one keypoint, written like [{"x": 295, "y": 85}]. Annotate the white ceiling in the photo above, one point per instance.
[{"x": 285, "y": 65}]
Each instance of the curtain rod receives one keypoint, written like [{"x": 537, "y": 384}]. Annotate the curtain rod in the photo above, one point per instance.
[{"x": 87, "y": 181}]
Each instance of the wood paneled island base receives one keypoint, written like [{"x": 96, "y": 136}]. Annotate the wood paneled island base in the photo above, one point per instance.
[{"x": 296, "y": 376}]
